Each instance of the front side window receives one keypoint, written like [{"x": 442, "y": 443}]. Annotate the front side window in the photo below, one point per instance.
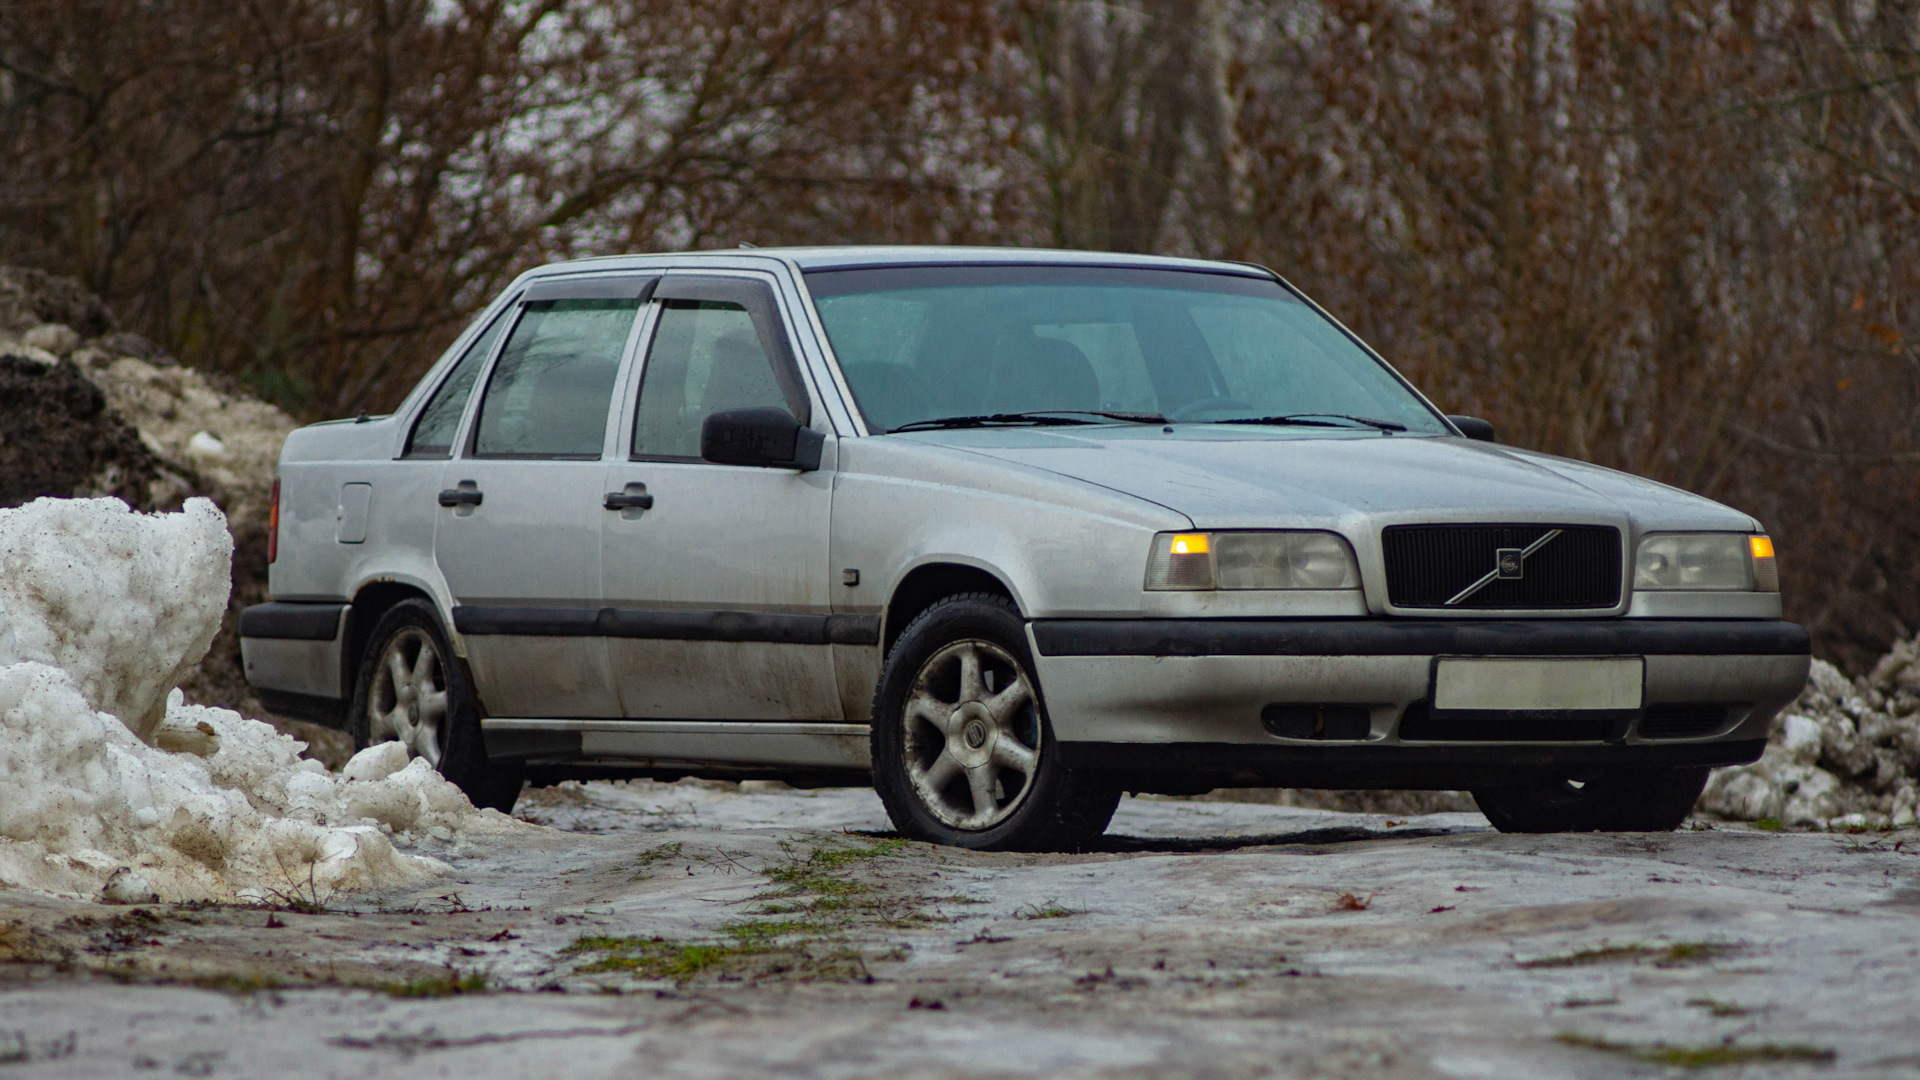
[
  {"x": 706, "y": 357},
  {"x": 550, "y": 392},
  {"x": 433, "y": 433},
  {"x": 929, "y": 342}
]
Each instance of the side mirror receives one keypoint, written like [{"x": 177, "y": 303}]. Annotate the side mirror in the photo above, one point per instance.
[
  {"x": 1473, "y": 428},
  {"x": 767, "y": 438}
]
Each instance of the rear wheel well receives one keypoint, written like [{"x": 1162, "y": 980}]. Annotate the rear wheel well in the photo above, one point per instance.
[
  {"x": 926, "y": 585},
  {"x": 369, "y": 604}
]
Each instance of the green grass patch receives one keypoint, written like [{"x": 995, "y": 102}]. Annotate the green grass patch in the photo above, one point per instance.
[
  {"x": 1770, "y": 824},
  {"x": 763, "y": 931},
  {"x": 441, "y": 984},
  {"x": 1679, "y": 954},
  {"x": 1710, "y": 1056},
  {"x": 237, "y": 984},
  {"x": 1052, "y": 909},
  {"x": 643, "y": 866},
  {"x": 657, "y": 958},
  {"x": 798, "y": 927}
]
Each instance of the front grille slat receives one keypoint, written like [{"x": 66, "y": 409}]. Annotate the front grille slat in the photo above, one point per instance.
[{"x": 1428, "y": 565}]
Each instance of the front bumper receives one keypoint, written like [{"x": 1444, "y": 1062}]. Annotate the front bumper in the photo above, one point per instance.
[{"x": 1188, "y": 695}]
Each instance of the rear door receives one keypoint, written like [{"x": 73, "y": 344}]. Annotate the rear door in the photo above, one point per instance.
[
  {"x": 518, "y": 537},
  {"x": 718, "y": 587}
]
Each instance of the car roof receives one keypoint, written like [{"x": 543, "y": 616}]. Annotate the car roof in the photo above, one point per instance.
[{"x": 850, "y": 256}]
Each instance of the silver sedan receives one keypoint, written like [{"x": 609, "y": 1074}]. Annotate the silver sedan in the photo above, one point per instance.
[{"x": 1009, "y": 533}]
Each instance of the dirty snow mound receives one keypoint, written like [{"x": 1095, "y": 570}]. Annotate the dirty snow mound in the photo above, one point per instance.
[
  {"x": 126, "y": 604},
  {"x": 104, "y": 606},
  {"x": 1844, "y": 755}
]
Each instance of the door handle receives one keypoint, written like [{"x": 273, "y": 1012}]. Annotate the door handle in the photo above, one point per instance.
[
  {"x": 460, "y": 496},
  {"x": 628, "y": 500}
]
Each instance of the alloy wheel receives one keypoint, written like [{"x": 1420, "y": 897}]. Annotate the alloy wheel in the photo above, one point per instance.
[
  {"x": 408, "y": 699},
  {"x": 972, "y": 734}
]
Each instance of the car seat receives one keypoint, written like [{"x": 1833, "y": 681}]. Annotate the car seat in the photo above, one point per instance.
[{"x": 1038, "y": 373}]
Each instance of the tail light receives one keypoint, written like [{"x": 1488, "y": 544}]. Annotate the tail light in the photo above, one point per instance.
[{"x": 273, "y": 524}]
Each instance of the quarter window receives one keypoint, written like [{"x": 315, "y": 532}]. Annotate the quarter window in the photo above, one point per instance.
[
  {"x": 433, "y": 433},
  {"x": 549, "y": 394},
  {"x": 706, "y": 357}
]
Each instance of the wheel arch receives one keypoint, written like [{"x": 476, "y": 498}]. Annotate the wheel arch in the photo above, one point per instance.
[
  {"x": 373, "y": 600},
  {"x": 931, "y": 581}
]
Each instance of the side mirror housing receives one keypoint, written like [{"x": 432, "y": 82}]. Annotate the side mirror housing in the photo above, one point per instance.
[
  {"x": 766, "y": 438},
  {"x": 1473, "y": 427}
]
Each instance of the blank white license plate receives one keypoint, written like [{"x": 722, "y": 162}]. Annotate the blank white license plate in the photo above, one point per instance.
[{"x": 1524, "y": 684}]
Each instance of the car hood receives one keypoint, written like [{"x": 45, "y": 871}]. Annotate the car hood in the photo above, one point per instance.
[{"x": 1253, "y": 478}]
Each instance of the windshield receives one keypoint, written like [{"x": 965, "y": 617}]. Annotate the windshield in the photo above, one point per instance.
[{"x": 931, "y": 342}]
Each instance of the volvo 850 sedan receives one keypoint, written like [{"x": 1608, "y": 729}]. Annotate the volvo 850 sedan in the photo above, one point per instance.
[{"x": 1007, "y": 534}]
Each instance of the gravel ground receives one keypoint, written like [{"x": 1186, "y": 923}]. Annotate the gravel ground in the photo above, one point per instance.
[{"x": 702, "y": 930}]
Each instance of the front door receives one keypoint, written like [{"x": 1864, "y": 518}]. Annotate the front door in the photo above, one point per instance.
[
  {"x": 718, "y": 584},
  {"x": 518, "y": 540}
]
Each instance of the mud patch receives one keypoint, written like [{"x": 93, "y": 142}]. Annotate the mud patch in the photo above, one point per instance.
[{"x": 58, "y": 437}]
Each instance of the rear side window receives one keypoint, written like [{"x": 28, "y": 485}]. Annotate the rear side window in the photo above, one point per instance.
[
  {"x": 549, "y": 394},
  {"x": 433, "y": 433},
  {"x": 706, "y": 357}
]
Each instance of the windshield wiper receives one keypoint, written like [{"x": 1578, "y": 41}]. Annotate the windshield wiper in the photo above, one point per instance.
[
  {"x": 1111, "y": 414},
  {"x": 1317, "y": 419},
  {"x": 1038, "y": 419}
]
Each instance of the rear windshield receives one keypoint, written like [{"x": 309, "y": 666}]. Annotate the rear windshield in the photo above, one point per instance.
[{"x": 923, "y": 343}]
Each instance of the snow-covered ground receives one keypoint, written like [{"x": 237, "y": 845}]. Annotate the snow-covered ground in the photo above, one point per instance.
[{"x": 1205, "y": 939}]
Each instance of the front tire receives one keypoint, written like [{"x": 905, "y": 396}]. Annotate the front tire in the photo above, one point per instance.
[
  {"x": 410, "y": 689},
  {"x": 963, "y": 754},
  {"x": 1625, "y": 800}
]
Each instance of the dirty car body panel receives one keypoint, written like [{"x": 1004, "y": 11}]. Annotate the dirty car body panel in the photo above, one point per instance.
[{"x": 624, "y": 603}]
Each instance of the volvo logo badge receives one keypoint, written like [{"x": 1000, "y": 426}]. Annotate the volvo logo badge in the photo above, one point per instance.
[{"x": 1509, "y": 564}]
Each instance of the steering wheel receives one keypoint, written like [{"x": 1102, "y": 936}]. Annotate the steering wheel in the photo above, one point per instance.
[{"x": 1212, "y": 404}]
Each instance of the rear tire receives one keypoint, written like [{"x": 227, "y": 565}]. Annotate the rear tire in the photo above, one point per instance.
[
  {"x": 1625, "y": 800},
  {"x": 410, "y": 688},
  {"x": 963, "y": 754}
]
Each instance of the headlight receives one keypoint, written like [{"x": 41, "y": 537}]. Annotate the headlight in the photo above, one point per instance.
[
  {"x": 1706, "y": 561},
  {"x": 1251, "y": 560}
]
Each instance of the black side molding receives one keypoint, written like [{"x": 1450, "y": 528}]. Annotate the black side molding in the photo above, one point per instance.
[
  {"x": 294, "y": 622},
  {"x": 1417, "y": 767},
  {"x": 610, "y": 622},
  {"x": 1420, "y": 637}
]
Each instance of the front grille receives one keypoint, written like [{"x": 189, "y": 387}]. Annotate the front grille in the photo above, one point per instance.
[
  {"x": 1428, "y": 565},
  {"x": 1682, "y": 721}
]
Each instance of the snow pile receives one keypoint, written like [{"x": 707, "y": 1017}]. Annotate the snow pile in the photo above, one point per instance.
[
  {"x": 126, "y": 604},
  {"x": 87, "y": 409},
  {"x": 1844, "y": 755},
  {"x": 103, "y": 604}
]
